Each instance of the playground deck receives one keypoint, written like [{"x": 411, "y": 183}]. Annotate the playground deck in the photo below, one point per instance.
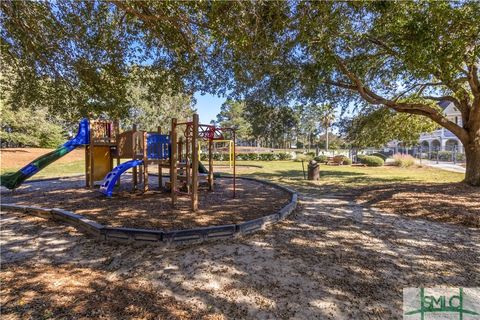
[{"x": 153, "y": 210}]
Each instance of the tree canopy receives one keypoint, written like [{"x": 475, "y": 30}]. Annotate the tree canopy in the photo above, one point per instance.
[
  {"x": 232, "y": 115},
  {"x": 401, "y": 55},
  {"x": 376, "y": 128}
]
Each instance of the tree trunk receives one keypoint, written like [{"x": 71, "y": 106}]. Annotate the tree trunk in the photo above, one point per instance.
[{"x": 472, "y": 153}]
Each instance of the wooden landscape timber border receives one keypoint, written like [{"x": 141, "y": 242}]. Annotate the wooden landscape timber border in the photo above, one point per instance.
[{"x": 151, "y": 236}]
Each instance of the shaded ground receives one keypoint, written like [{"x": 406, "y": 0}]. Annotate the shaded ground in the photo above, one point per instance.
[
  {"x": 154, "y": 210},
  {"x": 339, "y": 256},
  {"x": 418, "y": 192},
  {"x": 455, "y": 203},
  {"x": 333, "y": 259},
  {"x": 88, "y": 286}
]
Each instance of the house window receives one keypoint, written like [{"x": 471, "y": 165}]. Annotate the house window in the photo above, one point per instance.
[{"x": 456, "y": 120}]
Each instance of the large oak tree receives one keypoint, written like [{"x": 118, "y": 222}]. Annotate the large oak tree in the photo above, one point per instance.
[{"x": 405, "y": 56}]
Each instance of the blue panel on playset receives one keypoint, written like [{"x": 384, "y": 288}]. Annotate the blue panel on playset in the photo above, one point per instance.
[{"x": 158, "y": 146}]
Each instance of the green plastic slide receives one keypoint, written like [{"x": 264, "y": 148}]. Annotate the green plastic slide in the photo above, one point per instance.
[{"x": 14, "y": 180}]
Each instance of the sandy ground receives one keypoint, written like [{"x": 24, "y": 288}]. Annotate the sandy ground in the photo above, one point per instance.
[
  {"x": 18, "y": 157},
  {"x": 332, "y": 259},
  {"x": 153, "y": 210}
]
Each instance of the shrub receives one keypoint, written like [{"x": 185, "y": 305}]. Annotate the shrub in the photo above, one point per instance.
[
  {"x": 403, "y": 160},
  {"x": 361, "y": 157},
  {"x": 252, "y": 156},
  {"x": 448, "y": 156},
  {"x": 310, "y": 154},
  {"x": 244, "y": 156},
  {"x": 284, "y": 156},
  {"x": 321, "y": 158},
  {"x": 303, "y": 157},
  {"x": 372, "y": 161},
  {"x": 217, "y": 156},
  {"x": 380, "y": 155},
  {"x": 347, "y": 161},
  {"x": 267, "y": 156}
]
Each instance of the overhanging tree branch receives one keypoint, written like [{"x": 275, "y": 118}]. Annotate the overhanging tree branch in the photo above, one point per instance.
[{"x": 423, "y": 109}]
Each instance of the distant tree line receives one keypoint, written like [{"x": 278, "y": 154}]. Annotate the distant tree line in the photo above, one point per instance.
[{"x": 263, "y": 125}]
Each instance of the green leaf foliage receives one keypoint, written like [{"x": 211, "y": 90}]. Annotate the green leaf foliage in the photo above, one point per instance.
[
  {"x": 378, "y": 127},
  {"x": 371, "y": 161},
  {"x": 232, "y": 115}
]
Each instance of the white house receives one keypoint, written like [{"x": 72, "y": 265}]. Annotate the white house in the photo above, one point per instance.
[
  {"x": 442, "y": 139},
  {"x": 438, "y": 140}
]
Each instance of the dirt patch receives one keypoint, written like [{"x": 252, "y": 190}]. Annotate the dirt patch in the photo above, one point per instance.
[
  {"x": 19, "y": 157},
  {"x": 455, "y": 203},
  {"x": 154, "y": 210}
]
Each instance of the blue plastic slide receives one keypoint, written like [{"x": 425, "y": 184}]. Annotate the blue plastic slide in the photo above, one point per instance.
[
  {"x": 14, "y": 180},
  {"x": 112, "y": 177}
]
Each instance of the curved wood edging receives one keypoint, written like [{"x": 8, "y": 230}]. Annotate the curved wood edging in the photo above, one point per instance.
[{"x": 146, "y": 236}]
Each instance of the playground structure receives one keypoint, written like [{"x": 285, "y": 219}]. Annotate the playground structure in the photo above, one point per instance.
[
  {"x": 142, "y": 149},
  {"x": 178, "y": 152},
  {"x": 104, "y": 144},
  {"x": 185, "y": 164}
]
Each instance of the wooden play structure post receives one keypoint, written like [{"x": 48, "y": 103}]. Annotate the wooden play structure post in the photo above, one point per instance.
[
  {"x": 89, "y": 157},
  {"x": 173, "y": 162},
  {"x": 210, "y": 165},
  {"x": 160, "y": 173},
  {"x": 234, "y": 163},
  {"x": 145, "y": 163},
  {"x": 117, "y": 135},
  {"x": 187, "y": 163},
  {"x": 134, "y": 170},
  {"x": 195, "y": 162}
]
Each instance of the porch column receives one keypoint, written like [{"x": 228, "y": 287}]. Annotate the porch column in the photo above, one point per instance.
[{"x": 443, "y": 142}]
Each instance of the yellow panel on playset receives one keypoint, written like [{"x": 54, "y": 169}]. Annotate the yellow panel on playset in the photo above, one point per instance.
[{"x": 103, "y": 162}]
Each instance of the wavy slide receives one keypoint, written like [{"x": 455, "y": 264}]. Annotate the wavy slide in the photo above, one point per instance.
[
  {"x": 111, "y": 178},
  {"x": 14, "y": 180}
]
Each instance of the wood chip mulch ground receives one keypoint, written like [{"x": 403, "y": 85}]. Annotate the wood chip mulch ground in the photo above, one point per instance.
[{"x": 154, "y": 210}]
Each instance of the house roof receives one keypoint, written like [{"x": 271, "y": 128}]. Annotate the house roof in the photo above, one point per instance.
[{"x": 443, "y": 104}]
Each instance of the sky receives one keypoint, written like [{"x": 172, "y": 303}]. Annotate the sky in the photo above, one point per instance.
[{"x": 208, "y": 106}]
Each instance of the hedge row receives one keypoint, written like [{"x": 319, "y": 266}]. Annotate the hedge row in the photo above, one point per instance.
[
  {"x": 448, "y": 156},
  {"x": 266, "y": 156},
  {"x": 324, "y": 159}
]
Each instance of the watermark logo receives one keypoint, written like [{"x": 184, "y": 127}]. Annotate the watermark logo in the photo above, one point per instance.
[{"x": 441, "y": 303}]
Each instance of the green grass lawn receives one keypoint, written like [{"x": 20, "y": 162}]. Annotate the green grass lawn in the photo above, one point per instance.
[
  {"x": 291, "y": 173},
  {"x": 339, "y": 178},
  {"x": 55, "y": 170}
]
